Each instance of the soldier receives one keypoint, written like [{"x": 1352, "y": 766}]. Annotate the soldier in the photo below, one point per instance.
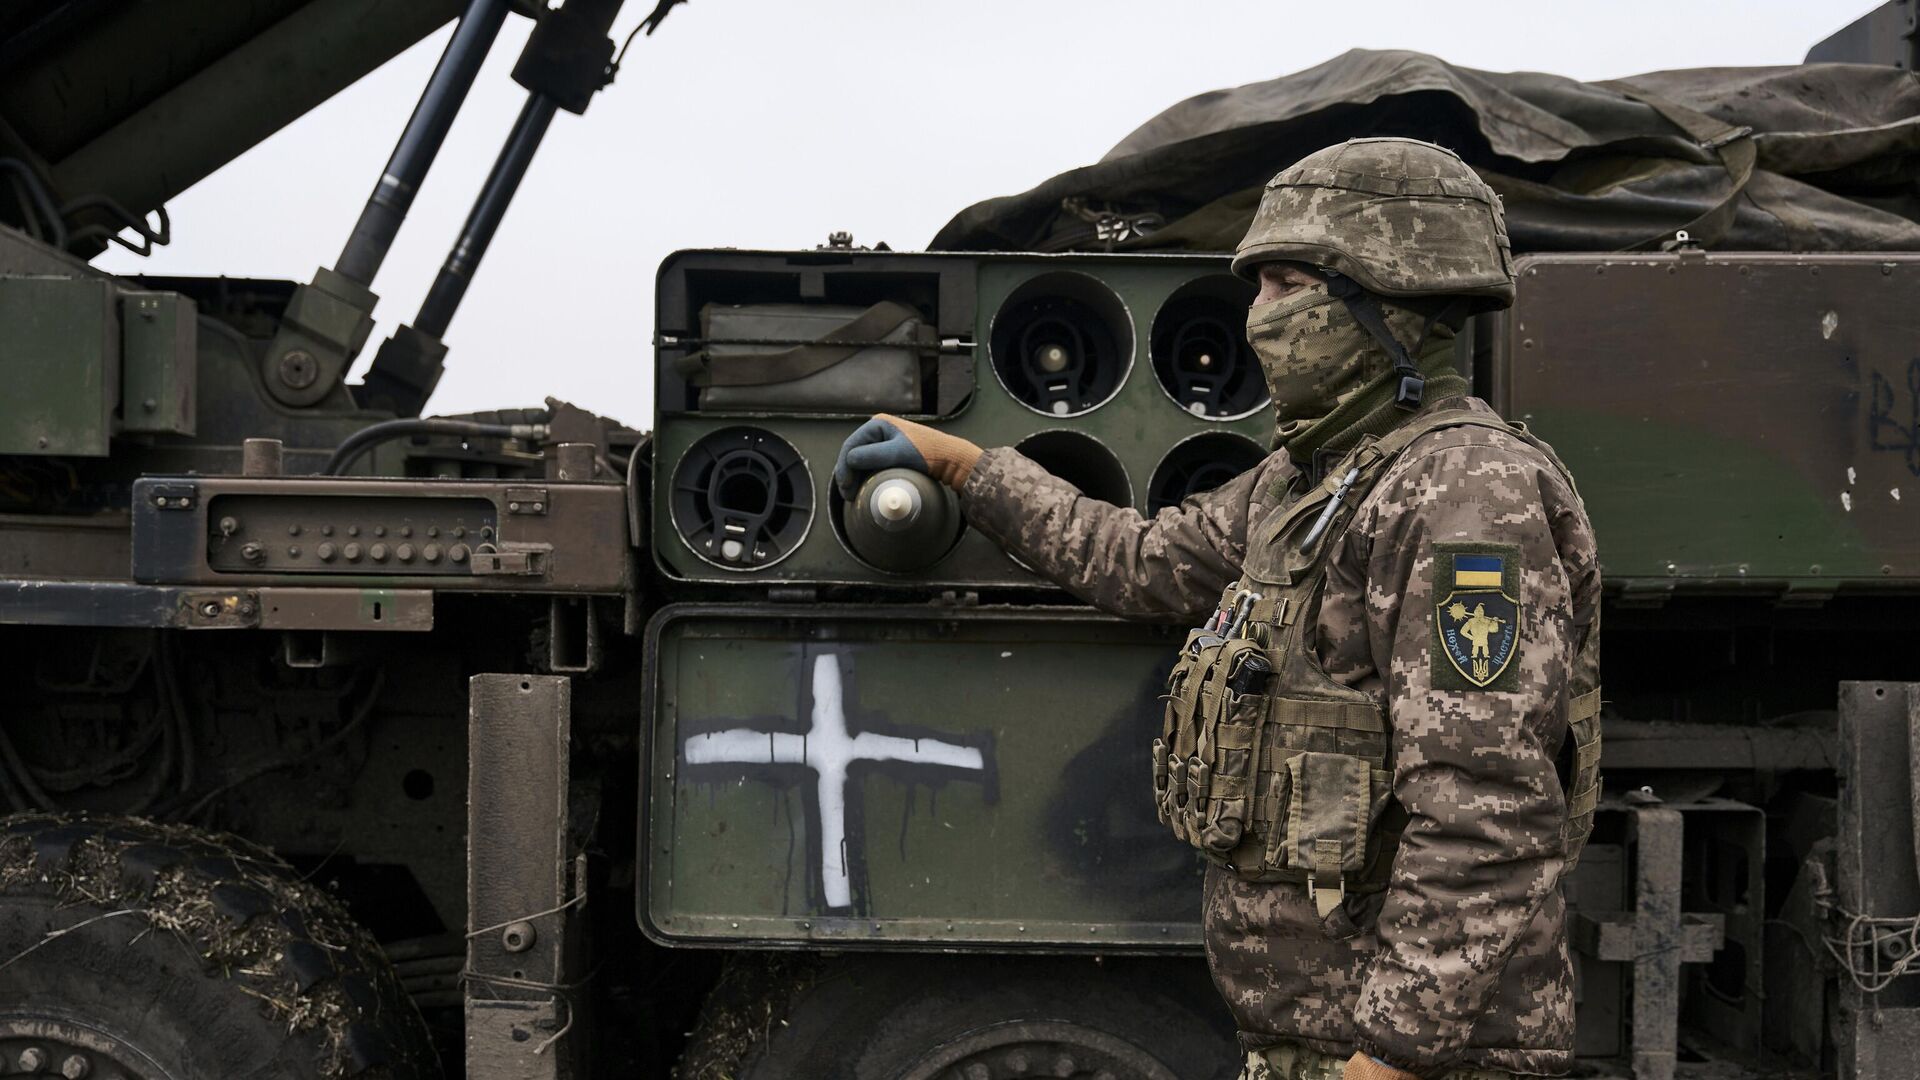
[{"x": 1388, "y": 814}]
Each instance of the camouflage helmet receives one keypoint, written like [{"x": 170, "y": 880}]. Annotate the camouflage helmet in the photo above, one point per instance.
[{"x": 1398, "y": 216}]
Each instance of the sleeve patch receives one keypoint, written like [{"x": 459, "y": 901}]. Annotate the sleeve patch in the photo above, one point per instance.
[{"x": 1476, "y": 617}]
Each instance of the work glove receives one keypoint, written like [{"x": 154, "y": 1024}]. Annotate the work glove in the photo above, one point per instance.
[
  {"x": 888, "y": 442},
  {"x": 1363, "y": 1067}
]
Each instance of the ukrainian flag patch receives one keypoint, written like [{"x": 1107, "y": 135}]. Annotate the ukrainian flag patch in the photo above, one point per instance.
[{"x": 1476, "y": 619}]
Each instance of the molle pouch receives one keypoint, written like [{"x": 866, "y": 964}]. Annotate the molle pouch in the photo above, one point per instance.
[
  {"x": 1199, "y": 783},
  {"x": 812, "y": 358},
  {"x": 1180, "y": 727},
  {"x": 1236, "y": 743},
  {"x": 1581, "y": 779},
  {"x": 1325, "y": 833},
  {"x": 1176, "y": 805}
]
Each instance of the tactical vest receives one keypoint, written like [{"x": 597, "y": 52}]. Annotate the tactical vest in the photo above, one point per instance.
[{"x": 1273, "y": 769}]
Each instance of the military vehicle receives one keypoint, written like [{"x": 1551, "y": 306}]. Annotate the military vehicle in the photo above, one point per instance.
[{"x": 530, "y": 744}]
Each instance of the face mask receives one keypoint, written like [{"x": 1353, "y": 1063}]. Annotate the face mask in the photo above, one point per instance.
[{"x": 1313, "y": 354}]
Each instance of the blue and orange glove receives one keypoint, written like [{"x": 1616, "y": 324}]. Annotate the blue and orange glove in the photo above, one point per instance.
[{"x": 888, "y": 442}]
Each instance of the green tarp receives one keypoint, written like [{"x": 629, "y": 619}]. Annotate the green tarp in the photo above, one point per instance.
[{"x": 1809, "y": 157}]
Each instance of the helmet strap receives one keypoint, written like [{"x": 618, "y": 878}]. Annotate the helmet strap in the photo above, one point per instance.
[{"x": 1365, "y": 308}]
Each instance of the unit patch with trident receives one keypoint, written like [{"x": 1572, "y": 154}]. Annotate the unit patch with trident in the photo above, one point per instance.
[{"x": 1476, "y": 619}]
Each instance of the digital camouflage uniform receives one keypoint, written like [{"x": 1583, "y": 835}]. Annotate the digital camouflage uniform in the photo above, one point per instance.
[{"x": 1461, "y": 962}]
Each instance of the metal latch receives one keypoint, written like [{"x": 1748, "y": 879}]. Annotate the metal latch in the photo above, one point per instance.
[
  {"x": 174, "y": 496},
  {"x": 527, "y": 500},
  {"x": 529, "y": 561}
]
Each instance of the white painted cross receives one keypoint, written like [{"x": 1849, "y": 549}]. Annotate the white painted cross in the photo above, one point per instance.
[{"x": 828, "y": 750}]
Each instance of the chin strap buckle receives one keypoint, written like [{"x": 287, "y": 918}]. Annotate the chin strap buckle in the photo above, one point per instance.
[
  {"x": 1365, "y": 308},
  {"x": 1412, "y": 388}
]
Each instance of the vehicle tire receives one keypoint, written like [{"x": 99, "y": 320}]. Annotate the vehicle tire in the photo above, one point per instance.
[
  {"x": 161, "y": 952},
  {"x": 962, "y": 1018}
]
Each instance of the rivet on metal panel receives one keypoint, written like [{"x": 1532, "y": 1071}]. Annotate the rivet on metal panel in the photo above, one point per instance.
[{"x": 518, "y": 936}]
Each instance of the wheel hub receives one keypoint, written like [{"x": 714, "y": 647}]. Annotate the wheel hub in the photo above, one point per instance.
[
  {"x": 49, "y": 1047},
  {"x": 1038, "y": 1050}
]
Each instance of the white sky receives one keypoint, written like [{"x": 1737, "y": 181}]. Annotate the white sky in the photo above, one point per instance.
[{"x": 769, "y": 123}]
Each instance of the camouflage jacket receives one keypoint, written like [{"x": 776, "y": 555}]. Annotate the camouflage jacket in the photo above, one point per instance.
[{"x": 1463, "y": 959}]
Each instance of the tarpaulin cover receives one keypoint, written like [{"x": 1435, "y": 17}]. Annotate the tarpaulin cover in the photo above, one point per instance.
[{"x": 1808, "y": 157}]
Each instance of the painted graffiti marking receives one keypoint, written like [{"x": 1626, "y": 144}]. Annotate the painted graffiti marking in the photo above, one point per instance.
[
  {"x": 1889, "y": 427},
  {"x": 829, "y": 749}
]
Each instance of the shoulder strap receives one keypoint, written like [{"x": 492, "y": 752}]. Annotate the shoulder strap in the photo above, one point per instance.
[{"x": 1355, "y": 475}]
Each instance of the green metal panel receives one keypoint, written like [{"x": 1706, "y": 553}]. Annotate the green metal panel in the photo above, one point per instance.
[
  {"x": 1137, "y": 425},
  {"x": 995, "y": 780},
  {"x": 1731, "y": 419},
  {"x": 59, "y": 362},
  {"x": 159, "y": 338}
]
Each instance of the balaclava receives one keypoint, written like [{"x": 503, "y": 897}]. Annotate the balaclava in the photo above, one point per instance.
[{"x": 1329, "y": 378}]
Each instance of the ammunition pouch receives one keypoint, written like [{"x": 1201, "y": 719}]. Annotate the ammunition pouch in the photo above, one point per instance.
[
  {"x": 1274, "y": 786},
  {"x": 1291, "y": 779},
  {"x": 811, "y": 358}
]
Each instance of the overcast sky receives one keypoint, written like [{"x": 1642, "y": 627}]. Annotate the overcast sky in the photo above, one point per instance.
[{"x": 770, "y": 123}]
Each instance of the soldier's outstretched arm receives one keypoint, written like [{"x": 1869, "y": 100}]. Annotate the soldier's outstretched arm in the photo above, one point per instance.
[
  {"x": 1170, "y": 566},
  {"x": 1473, "y": 742}
]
